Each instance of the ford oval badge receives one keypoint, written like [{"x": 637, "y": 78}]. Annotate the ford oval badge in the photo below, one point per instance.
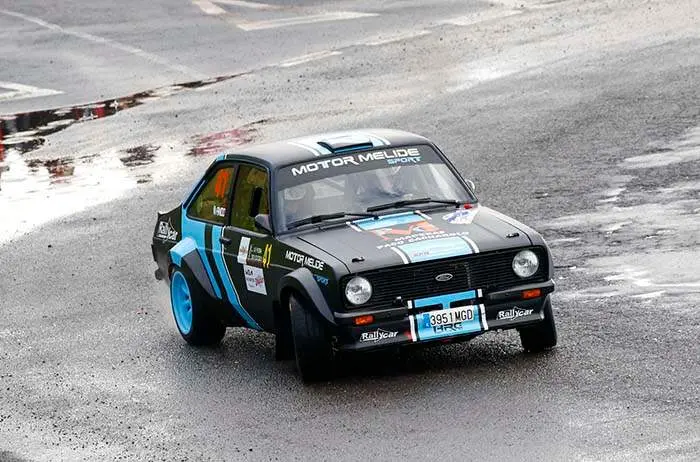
[{"x": 444, "y": 277}]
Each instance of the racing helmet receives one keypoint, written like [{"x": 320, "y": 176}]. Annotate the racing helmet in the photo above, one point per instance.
[{"x": 295, "y": 193}]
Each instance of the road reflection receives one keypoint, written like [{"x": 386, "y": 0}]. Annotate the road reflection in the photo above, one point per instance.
[{"x": 38, "y": 189}]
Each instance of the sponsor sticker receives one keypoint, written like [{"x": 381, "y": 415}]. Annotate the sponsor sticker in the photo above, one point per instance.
[
  {"x": 259, "y": 256},
  {"x": 436, "y": 248},
  {"x": 513, "y": 313},
  {"x": 267, "y": 254},
  {"x": 254, "y": 279},
  {"x": 321, "y": 279},
  {"x": 219, "y": 211},
  {"x": 377, "y": 335},
  {"x": 243, "y": 248},
  {"x": 304, "y": 260},
  {"x": 422, "y": 227},
  {"x": 391, "y": 156},
  {"x": 461, "y": 217},
  {"x": 166, "y": 231}
]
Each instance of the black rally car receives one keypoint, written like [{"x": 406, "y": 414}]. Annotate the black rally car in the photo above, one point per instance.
[{"x": 349, "y": 241}]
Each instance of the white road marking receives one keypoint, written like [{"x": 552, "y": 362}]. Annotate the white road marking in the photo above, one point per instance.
[
  {"x": 109, "y": 42},
  {"x": 208, "y": 7},
  {"x": 658, "y": 293},
  {"x": 482, "y": 16},
  {"x": 310, "y": 57},
  {"x": 299, "y": 20},
  {"x": 656, "y": 450},
  {"x": 19, "y": 91},
  {"x": 252, "y": 5},
  {"x": 395, "y": 38}
]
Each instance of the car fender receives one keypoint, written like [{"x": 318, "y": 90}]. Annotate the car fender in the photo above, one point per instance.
[
  {"x": 302, "y": 281},
  {"x": 185, "y": 253}
]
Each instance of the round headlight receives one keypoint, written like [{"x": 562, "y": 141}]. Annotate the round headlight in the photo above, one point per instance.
[
  {"x": 358, "y": 290},
  {"x": 525, "y": 263}
]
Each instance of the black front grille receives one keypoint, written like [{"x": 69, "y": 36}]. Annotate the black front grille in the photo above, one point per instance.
[{"x": 488, "y": 271}]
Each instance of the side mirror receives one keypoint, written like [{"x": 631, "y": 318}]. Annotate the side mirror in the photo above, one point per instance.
[
  {"x": 471, "y": 185},
  {"x": 262, "y": 222}
]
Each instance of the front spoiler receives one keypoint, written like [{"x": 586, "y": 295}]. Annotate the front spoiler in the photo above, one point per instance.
[{"x": 397, "y": 327}]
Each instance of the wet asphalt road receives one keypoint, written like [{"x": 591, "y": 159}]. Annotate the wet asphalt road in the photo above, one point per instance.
[{"x": 579, "y": 118}]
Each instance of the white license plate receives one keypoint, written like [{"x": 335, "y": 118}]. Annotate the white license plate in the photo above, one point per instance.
[{"x": 449, "y": 316}]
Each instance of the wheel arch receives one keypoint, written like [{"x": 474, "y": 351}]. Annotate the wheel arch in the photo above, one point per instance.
[
  {"x": 185, "y": 253},
  {"x": 301, "y": 281}
]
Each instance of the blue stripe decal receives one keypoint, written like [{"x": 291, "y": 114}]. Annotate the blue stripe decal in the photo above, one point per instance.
[
  {"x": 445, "y": 300},
  {"x": 195, "y": 230},
  {"x": 434, "y": 249},
  {"x": 358, "y": 147},
  {"x": 388, "y": 221},
  {"x": 182, "y": 248},
  {"x": 231, "y": 293}
]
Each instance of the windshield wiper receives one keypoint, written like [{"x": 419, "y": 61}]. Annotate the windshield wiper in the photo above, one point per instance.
[
  {"x": 328, "y": 216},
  {"x": 404, "y": 203}
]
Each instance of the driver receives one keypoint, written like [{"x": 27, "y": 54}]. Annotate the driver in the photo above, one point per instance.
[{"x": 294, "y": 198}]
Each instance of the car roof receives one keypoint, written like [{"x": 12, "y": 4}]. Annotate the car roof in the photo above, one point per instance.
[{"x": 306, "y": 148}]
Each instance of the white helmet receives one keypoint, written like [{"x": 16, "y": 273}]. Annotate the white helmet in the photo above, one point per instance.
[{"x": 295, "y": 193}]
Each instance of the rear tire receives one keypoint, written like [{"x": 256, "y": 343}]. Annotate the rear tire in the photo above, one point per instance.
[
  {"x": 542, "y": 336},
  {"x": 197, "y": 324},
  {"x": 312, "y": 345}
]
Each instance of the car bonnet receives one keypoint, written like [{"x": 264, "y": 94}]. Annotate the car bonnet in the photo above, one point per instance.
[{"x": 409, "y": 237}]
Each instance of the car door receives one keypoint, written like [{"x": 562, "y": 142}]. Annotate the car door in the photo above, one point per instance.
[
  {"x": 204, "y": 221},
  {"x": 246, "y": 250}
]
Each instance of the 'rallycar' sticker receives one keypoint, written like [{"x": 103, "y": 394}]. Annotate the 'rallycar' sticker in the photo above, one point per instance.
[
  {"x": 513, "y": 313},
  {"x": 377, "y": 335}
]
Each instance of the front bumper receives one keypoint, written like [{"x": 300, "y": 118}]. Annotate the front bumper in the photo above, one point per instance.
[{"x": 408, "y": 325}]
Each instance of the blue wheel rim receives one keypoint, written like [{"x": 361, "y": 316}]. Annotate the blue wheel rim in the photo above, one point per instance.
[{"x": 182, "y": 302}]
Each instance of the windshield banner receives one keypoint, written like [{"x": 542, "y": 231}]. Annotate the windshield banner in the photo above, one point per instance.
[{"x": 333, "y": 165}]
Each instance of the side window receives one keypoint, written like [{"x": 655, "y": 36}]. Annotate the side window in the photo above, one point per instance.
[
  {"x": 212, "y": 201},
  {"x": 250, "y": 197}
]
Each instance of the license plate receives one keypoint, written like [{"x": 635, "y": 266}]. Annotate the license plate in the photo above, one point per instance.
[
  {"x": 448, "y": 322},
  {"x": 449, "y": 316}
]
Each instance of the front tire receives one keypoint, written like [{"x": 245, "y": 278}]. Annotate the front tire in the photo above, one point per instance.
[
  {"x": 312, "y": 345},
  {"x": 542, "y": 336},
  {"x": 197, "y": 325}
]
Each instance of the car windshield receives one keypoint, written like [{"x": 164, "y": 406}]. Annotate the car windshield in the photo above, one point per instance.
[{"x": 353, "y": 183}]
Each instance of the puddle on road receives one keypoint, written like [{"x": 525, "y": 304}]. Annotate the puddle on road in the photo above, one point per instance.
[
  {"x": 686, "y": 149},
  {"x": 647, "y": 250},
  {"x": 140, "y": 155},
  {"x": 37, "y": 190},
  {"x": 214, "y": 143}
]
